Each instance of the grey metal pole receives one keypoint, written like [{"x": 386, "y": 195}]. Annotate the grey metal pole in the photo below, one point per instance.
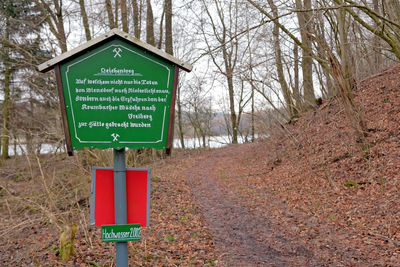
[{"x": 120, "y": 204}]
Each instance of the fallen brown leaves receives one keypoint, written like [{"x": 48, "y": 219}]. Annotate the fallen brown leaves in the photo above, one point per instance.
[{"x": 177, "y": 234}]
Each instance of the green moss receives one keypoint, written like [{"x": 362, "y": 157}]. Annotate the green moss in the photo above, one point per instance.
[{"x": 350, "y": 184}]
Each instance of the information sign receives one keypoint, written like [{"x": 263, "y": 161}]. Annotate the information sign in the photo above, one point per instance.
[
  {"x": 120, "y": 233},
  {"x": 117, "y": 96},
  {"x": 115, "y": 92}
]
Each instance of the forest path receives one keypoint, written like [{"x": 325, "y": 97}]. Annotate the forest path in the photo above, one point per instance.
[{"x": 243, "y": 233}]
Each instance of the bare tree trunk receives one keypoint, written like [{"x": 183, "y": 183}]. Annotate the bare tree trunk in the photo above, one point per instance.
[
  {"x": 233, "y": 116},
  {"x": 252, "y": 127},
  {"x": 85, "y": 20},
  {"x": 150, "y": 25},
  {"x": 110, "y": 14},
  {"x": 161, "y": 30},
  {"x": 179, "y": 115},
  {"x": 322, "y": 51},
  {"x": 136, "y": 19},
  {"x": 252, "y": 116},
  {"x": 377, "y": 64},
  {"x": 124, "y": 16},
  {"x": 116, "y": 13},
  {"x": 306, "y": 63},
  {"x": 346, "y": 82},
  {"x": 168, "y": 36},
  {"x": 346, "y": 65},
  {"x": 28, "y": 132},
  {"x": 296, "y": 87},
  {"x": 61, "y": 37},
  {"x": 229, "y": 49},
  {"x": 279, "y": 65},
  {"x": 7, "y": 74},
  {"x": 168, "y": 27}
]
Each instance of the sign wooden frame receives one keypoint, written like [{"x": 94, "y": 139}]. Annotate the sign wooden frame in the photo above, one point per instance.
[{"x": 86, "y": 49}]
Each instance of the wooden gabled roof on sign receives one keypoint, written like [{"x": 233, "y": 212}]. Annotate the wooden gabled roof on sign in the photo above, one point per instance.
[{"x": 48, "y": 65}]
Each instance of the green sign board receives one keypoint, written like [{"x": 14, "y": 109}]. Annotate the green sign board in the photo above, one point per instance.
[
  {"x": 116, "y": 91},
  {"x": 120, "y": 233},
  {"x": 117, "y": 95}
]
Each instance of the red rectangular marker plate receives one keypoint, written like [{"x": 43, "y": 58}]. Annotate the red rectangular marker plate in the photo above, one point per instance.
[{"x": 137, "y": 196}]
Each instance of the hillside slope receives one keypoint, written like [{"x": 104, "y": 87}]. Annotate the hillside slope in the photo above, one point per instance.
[{"x": 319, "y": 189}]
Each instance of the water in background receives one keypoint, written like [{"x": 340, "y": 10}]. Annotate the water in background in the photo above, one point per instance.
[
  {"x": 190, "y": 143},
  {"x": 211, "y": 142}
]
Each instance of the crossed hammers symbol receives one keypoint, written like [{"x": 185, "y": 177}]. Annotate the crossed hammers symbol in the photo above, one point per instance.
[
  {"x": 117, "y": 51},
  {"x": 115, "y": 136}
]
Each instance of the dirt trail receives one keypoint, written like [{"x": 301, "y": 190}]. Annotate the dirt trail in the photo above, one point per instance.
[{"x": 243, "y": 234}]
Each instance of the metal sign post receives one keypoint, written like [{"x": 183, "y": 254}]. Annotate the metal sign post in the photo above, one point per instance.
[{"x": 120, "y": 203}]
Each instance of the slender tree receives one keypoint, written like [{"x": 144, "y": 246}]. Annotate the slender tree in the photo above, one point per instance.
[
  {"x": 116, "y": 17},
  {"x": 124, "y": 16},
  {"x": 136, "y": 19},
  {"x": 110, "y": 13},
  {"x": 7, "y": 7},
  {"x": 224, "y": 28},
  {"x": 168, "y": 27},
  {"x": 85, "y": 20},
  {"x": 150, "y": 25},
  {"x": 279, "y": 64},
  {"x": 306, "y": 24}
]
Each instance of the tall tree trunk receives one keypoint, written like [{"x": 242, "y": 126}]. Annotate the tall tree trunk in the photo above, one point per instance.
[
  {"x": 227, "y": 37},
  {"x": 252, "y": 126},
  {"x": 116, "y": 13},
  {"x": 160, "y": 40},
  {"x": 279, "y": 65},
  {"x": 61, "y": 37},
  {"x": 296, "y": 87},
  {"x": 7, "y": 74},
  {"x": 124, "y": 16},
  {"x": 252, "y": 116},
  {"x": 345, "y": 78},
  {"x": 229, "y": 62},
  {"x": 28, "y": 134},
  {"x": 168, "y": 37},
  {"x": 377, "y": 57},
  {"x": 345, "y": 57},
  {"x": 85, "y": 20},
  {"x": 305, "y": 24},
  {"x": 322, "y": 48},
  {"x": 179, "y": 115},
  {"x": 229, "y": 78},
  {"x": 110, "y": 14},
  {"x": 150, "y": 25},
  {"x": 168, "y": 27},
  {"x": 136, "y": 19}
]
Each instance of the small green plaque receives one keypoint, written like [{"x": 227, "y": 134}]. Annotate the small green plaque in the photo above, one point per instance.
[
  {"x": 118, "y": 95},
  {"x": 120, "y": 233}
]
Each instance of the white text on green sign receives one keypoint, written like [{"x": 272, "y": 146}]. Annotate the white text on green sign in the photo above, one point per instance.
[
  {"x": 120, "y": 233},
  {"x": 117, "y": 95}
]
